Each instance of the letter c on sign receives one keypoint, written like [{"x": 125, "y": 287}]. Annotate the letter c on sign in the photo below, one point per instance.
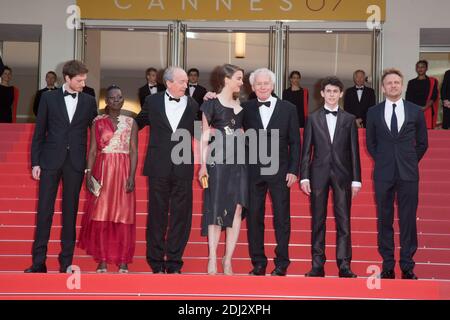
[{"x": 118, "y": 5}]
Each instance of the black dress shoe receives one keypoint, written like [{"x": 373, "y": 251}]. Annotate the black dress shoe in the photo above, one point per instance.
[
  {"x": 409, "y": 275},
  {"x": 258, "y": 271},
  {"x": 346, "y": 273},
  {"x": 37, "y": 269},
  {"x": 315, "y": 273},
  {"x": 173, "y": 271},
  {"x": 158, "y": 270},
  {"x": 279, "y": 271},
  {"x": 387, "y": 274}
]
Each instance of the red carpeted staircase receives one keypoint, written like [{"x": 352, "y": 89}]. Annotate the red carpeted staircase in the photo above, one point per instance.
[{"x": 18, "y": 203}]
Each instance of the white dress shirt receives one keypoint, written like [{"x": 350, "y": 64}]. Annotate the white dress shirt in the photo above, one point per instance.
[
  {"x": 331, "y": 124},
  {"x": 154, "y": 89},
  {"x": 266, "y": 112},
  {"x": 71, "y": 103},
  {"x": 174, "y": 110},
  {"x": 192, "y": 89},
  {"x": 359, "y": 92},
  {"x": 399, "y": 112}
]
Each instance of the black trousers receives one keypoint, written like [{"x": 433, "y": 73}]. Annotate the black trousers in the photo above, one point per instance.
[
  {"x": 167, "y": 234},
  {"x": 48, "y": 187},
  {"x": 280, "y": 195},
  {"x": 407, "y": 197},
  {"x": 342, "y": 199},
  {"x": 445, "y": 118}
]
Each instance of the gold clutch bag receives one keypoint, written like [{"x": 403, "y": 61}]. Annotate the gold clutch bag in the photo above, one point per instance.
[
  {"x": 204, "y": 180},
  {"x": 96, "y": 187}
]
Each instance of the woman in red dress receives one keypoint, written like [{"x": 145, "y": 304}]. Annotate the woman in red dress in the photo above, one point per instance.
[{"x": 108, "y": 230}]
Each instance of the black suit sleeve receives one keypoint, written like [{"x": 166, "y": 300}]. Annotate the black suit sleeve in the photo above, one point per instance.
[
  {"x": 371, "y": 140},
  {"x": 142, "y": 118},
  {"x": 306, "y": 151},
  {"x": 94, "y": 112},
  {"x": 445, "y": 89},
  {"x": 421, "y": 136},
  {"x": 372, "y": 99},
  {"x": 294, "y": 141},
  {"x": 347, "y": 102},
  {"x": 356, "y": 162},
  {"x": 2, "y": 66},
  {"x": 409, "y": 94},
  {"x": 39, "y": 131},
  {"x": 37, "y": 99}
]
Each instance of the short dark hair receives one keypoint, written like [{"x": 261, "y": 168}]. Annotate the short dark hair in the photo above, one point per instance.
[
  {"x": 358, "y": 71},
  {"x": 74, "y": 68},
  {"x": 193, "y": 70},
  {"x": 295, "y": 72},
  {"x": 151, "y": 69},
  {"x": 425, "y": 62},
  {"x": 6, "y": 68},
  {"x": 389, "y": 71},
  {"x": 333, "y": 81},
  {"x": 51, "y": 72},
  {"x": 112, "y": 87}
]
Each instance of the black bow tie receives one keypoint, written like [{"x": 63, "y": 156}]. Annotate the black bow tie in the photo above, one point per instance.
[
  {"x": 173, "y": 99},
  {"x": 151, "y": 87},
  {"x": 266, "y": 103},
  {"x": 67, "y": 93},
  {"x": 193, "y": 86},
  {"x": 334, "y": 113},
  {"x": 357, "y": 89}
]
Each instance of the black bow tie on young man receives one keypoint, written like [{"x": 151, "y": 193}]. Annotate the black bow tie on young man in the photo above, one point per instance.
[
  {"x": 359, "y": 88},
  {"x": 67, "y": 93},
  {"x": 266, "y": 103},
  {"x": 193, "y": 86},
  {"x": 334, "y": 113},
  {"x": 151, "y": 87},
  {"x": 173, "y": 99}
]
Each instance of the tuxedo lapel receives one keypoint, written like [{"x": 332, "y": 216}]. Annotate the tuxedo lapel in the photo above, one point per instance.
[
  {"x": 78, "y": 108},
  {"x": 338, "y": 124},
  {"x": 258, "y": 119},
  {"x": 186, "y": 112},
  {"x": 407, "y": 116},
  {"x": 383, "y": 120},
  {"x": 324, "y": 125},
  {"x": 275, "y": 114},
  {"x": 61, "y": 105},
  {"x": 162, "y": 110}
]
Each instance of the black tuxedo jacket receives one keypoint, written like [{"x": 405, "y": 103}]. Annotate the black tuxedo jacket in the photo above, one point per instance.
[
  {"x": 88, "y": 90},
  {"x": 144, "y": 91},
  {"x": 319, "y": 155},
  {"x": 54, "y": 135},
  {"x": 359, "y": 108},
  {"x": 37, "y": 99},
  {"x": 445, "y": 89},
  {"x": 158, "y": 162},
  {"x": 2, "y": 66},
  {"x": 198, "y": 94},
  {"x": 284, "y": 118},
  {"x": 403, "y": 151}
]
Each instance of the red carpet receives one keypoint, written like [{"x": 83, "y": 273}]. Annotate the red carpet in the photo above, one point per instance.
[{"x": 18, "y": 202}]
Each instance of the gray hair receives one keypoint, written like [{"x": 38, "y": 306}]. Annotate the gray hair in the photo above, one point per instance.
[
  {"x": 261, "y": 71},
  {"x": 169, "y": 73}
]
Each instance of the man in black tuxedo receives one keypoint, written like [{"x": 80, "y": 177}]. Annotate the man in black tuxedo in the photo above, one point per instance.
[
  {"x": 397, "y": 139},
  {"x": 359, "y": 98},
  {"x": 195, "y": 90},
  {"x": 2, "y": 66},
  {"x": 88, "y": 90},
  {"x": 330, "y": 159},
  {"x": 50, "y": 78},
  {"x": 269, "y": 116},
  {"x": 58, "y": 151},
  {"x": 151, "y": 87},
  {"x": 445, "y": 97},
  {"x": 170, "y": 184}
]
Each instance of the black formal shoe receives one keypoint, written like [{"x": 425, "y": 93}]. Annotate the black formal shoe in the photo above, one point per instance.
[
  {"x": 37, "y": 269},
  {"x": 279, "y": 271},
  {"x": 409, "y": 275},
  {"x": 314, "y": 272},
  {"x": 258, "y": 271},
  {"x": 346, "y": 273},
  {"x": 159, "y": 270},
  {"x": 66, "y": 269},
  {"x": 387, "y": 274},
  {"x": 173, "y": 271}
]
